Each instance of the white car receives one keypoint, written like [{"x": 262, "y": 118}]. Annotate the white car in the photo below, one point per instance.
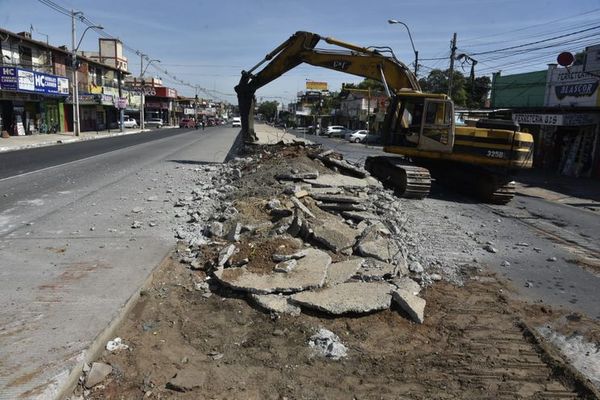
[
  {"x": 357, "y": 136},
  {"x": 237, "y": 121},
  {"x": 155, "y": 122},
  {"x": 129, "y": 122}
]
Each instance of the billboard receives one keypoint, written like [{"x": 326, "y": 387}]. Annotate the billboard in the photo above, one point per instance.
[
  {"x": 313, "y": 85},
  {"x": 21, "y": 80}
]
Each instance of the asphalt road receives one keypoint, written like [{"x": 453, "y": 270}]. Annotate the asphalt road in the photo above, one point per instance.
[
  {"x": 71, "y": 257},
  {"x": 549, "y": 251}
]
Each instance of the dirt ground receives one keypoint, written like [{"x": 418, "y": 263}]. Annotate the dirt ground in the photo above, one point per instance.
[{"x": 472, "y": 345}]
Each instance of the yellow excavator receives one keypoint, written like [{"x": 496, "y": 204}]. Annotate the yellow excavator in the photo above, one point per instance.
[{"x": 418, "y": 129}]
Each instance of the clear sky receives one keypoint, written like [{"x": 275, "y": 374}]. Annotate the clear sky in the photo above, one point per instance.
[{"x": 208, "y": 43}]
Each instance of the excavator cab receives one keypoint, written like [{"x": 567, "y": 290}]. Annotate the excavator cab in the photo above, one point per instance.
[{"x": 422, "y": 122}]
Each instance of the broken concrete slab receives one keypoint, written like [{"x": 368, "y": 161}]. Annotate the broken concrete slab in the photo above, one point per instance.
[
  {"x": 334, "y": 234},
  {"x": 225, "y": 254},
  {"x": 414, "y": 306},
  {"x": 376, "y": 270},
  {"x": 276, "y": 303},
  {"x": 341, "y": 207},
  {"x": 360, "y": 216},
  {"x": 97, "y": 374},
  {"x": 378, "y": 247},
  {"x": 338, "y": 180},
  {"x": 310, "y": 273},
  {"x": 302, "y": 207},
  {"x": 335, "y": 198},
  {"x": 406, "y": 283},
  {"x": 350, "y": 297},
  {"x": 297, "y": 176},
  {"x": 342, "y": 271}
]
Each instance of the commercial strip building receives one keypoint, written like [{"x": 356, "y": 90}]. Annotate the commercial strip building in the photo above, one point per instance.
[
  {"x": 36, "y": 89},
  {"x": 561, "y": 108}
]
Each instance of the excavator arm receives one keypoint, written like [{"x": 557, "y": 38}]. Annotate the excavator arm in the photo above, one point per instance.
[{"x": 300, "y": 48}]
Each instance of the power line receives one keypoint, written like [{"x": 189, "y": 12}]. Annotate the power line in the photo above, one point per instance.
[{"x": 536, "y": 42}]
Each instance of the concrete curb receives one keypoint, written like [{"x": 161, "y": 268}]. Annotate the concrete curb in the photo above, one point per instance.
[{"x": 98, "y": 344}]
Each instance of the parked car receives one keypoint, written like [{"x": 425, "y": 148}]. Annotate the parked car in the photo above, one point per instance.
[
  {"x": 154, "y": 122},
  {"x": 337, "y": 131},
  {"x": 129, "y": 122},
  {"x": 237, "y": 122},
  {"x": 357, "y": 136},
  {"x": 303, "y": 129},
  {"x": 372, "y": 138},
  {"x": 187, "y": 123}
]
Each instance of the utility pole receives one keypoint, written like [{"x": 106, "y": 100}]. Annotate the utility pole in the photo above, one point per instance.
[
  {"x": 142, "y": 55},
  {"x": 452, "y": 55},
  {"x": 75, "y": 91}
]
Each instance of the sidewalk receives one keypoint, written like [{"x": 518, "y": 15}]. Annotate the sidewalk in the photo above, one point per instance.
[
  {"x": 13, "y": 143},
  {"x": 577, "y": 192}
]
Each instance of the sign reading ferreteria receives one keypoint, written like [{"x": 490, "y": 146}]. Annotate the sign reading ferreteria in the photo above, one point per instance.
[
  {"x": 21, "y": 80},
  {"x": 556, "y": 119},
  {"x": 572, "y": 87}
]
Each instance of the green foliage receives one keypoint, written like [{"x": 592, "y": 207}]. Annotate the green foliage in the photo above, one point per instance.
[
  {"x": 268, "y": 109},
  {"x": 464, "y": 94}
]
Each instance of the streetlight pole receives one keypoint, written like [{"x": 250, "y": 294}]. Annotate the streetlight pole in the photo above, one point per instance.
[
  {"x": 395, "y": 21},
  {"x": 142, "y": 85},
  {"x": 76, "y": 126}
]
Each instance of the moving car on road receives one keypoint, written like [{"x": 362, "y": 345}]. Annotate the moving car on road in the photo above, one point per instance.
[
  {"x": 154, "y": 122},
  {"x": 237, "y": 122}
]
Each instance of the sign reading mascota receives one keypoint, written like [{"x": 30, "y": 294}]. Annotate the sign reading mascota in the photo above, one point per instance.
[{"x": 22, "y": 80}]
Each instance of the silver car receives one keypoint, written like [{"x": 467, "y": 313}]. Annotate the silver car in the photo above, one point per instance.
[{"x": 154, "y": 122}]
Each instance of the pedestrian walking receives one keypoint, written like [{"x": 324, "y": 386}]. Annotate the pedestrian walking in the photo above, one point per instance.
[{"x": 202, "y": 124}]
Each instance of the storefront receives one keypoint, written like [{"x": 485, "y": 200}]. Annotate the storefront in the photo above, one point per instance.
[
  {"x": 566, "y": 142},
  {"x": 31, "y": 102}
]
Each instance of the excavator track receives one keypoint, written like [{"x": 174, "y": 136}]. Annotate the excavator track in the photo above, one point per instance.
[
  {"x": 407, "y": 180},
  {"x": 500, "y": 193}
]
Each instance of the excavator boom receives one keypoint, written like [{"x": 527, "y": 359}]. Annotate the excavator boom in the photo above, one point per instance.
[{"x": 300, "y": 48}]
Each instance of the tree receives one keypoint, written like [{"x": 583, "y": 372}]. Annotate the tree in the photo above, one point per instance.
[
  {"x": 437, "y": 82},
  {"x": 268, "y": 109},
  {"x": 367, "y": 83}
]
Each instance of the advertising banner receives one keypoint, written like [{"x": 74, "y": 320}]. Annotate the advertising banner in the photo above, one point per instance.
[
  {"x": 21, "y": 80},
  {"x": 313, "y": 85}
]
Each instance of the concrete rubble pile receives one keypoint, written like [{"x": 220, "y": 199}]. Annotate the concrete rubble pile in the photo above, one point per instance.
[{"x": 286, "y": 227}]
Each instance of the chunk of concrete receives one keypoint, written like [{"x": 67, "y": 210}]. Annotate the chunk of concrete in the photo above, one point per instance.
[
  {"x": 276, "y": 303},
  {"x": 285, "y": 257},
  {"x": 337, "y": 198},
  {"x": 375, "y": 270},
  {"x": 302, "y": 207},
  {"x": 286, "y": 266},
  {"x": 334, "y": 234},
  {"x": 414, "y": 306},
  {"x": 405, "y": 283},
  {"x": 360, "y": 216},
  {"x": 378, "y": 247},
  {"x": 338, "y": 180},
  {"x": 350, "y": 297},
  {"x": 225, "y": 254},
  {"x": 340, "y": 272},
  {"x": 97, "y": 374},
  {"x": 310, "y": 273},
  {"x": 328, "y": 344}
]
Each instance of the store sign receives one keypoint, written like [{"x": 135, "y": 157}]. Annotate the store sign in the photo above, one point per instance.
[
  {"x": 538, "y": 119},
  {"x": 121, "y": 103},
  {"x": 579, "y": 119},
  {"x": 572, "y": 87},
  {"x": 313, "y": 85},
  {"x": 21, "y": 80}
]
